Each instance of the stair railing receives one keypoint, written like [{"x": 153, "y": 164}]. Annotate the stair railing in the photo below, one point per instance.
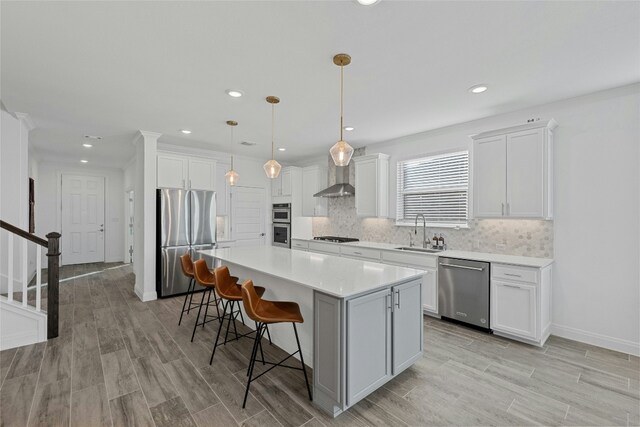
[{"x": 52, "y": 243}]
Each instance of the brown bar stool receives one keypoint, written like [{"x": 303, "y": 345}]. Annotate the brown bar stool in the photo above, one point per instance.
[
  {"x": 231, "y": 295},
  {"x": 187, "y": 270},
  {"x": 265, "y": 312},
  {"x": 205, "y": 278}
]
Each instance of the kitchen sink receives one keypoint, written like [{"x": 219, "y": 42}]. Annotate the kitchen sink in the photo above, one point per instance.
[{"x": 414, "y": 249}]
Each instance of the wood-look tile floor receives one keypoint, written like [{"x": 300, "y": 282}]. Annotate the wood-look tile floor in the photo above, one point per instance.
[{"x": 119, "y": 362}]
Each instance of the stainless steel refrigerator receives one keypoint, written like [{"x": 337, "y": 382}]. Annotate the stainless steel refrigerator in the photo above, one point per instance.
[{"x": 186, "y": 223}]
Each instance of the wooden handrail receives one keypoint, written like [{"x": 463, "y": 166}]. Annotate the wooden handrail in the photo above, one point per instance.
[
  {"x": 24, "y": 234},
  {"x": 53, "y": 272}
]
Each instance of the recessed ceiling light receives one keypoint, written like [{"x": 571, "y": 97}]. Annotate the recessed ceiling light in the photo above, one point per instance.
[
  {"x": 87, "y": 145},
  {"x": 234, "y": 93},
  {"x": 478, "y": 88},
  {"x": 185, "y": 131},
  {"x": 349, "y": 128},
  {"x": 367, "y": 2},
  {"x": 92, "y": 137},
  {"x": 282, "y": 149},
  {"x": 84, "y": 161}
]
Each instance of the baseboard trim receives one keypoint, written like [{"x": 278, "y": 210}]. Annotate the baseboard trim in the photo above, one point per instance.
[
  {"x": 599, "y": 340},
  {"x": 145, "y": 296}
]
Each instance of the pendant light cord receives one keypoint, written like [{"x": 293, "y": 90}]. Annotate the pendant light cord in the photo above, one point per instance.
[
  {"x": 341, "y": 98},
  {"x": 231, "y": 147},
  {"x": 273, "y": 125}
]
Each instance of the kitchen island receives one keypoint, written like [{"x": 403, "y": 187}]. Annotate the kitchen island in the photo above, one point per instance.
[{"x": 363, "y": 320}]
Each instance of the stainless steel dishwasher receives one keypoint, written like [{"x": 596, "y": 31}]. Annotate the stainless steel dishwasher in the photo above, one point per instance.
[{"x": 463, "y": 291}]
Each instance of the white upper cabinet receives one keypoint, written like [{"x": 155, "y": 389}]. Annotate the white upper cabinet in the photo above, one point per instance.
[
  {"x": 276, "y": 186},
  {"x": 512, "y": 172},
  {"x": 189, "y": 173},
  {"x": 489, "y": 172},
  {"x": 314, "y": 179},
  {"x": 202, "y": 174},
  {"x": 172, "y": 171},
  {"x": 372, "y": 185},
  {"x": 525, "y": 174},
  {"x": 285, "y": 182},
  {"x": 282, "y": 185}
]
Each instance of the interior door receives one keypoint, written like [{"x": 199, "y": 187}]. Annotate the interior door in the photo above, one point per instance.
[
  {"x": 248, "y": 216},
  {"x": 82, "y": 214}
]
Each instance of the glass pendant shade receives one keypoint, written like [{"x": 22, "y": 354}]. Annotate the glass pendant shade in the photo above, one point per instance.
[
  {"x": 231, "y": 177},
  {"x": 272, "y": 168},
  {"x": 341, "y": 153}
]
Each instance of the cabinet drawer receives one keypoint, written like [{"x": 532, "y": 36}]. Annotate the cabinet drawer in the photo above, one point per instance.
[
  {"x": 418, "y": 260},
  {"x": 330, "y": 248},
  {"x": 360, "y": 252},
  {"x": 510, "y": 272},
  {"x": 299, "y": 244}
]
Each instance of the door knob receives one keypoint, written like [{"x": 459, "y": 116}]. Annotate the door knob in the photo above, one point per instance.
[{"x": 261, "y": 234}]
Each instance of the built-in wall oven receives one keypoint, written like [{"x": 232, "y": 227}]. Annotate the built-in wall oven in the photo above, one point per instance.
[
  {"x": 281, "y": 227},
  {"x": 281, "y": 213}
]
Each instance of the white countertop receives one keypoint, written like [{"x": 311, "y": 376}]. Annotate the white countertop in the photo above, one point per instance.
[
  {"x": 475, "y": 256},
  {"x": 329, "y": 274}
]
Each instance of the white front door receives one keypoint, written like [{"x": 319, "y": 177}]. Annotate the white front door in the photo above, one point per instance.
[
  {"x": 82, "y": 219},
  {"x": 248, "y": 216}
]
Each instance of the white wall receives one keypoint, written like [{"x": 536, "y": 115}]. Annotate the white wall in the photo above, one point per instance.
[
  {"x": 14, "y": 188},
  {"x": 596, "y": 285},
  {"x": 48, "y": 204}
]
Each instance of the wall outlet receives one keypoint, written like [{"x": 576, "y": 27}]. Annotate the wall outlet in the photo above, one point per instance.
[{"x": 501, "y": 246}]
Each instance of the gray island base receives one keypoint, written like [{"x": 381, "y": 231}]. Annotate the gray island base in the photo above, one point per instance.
[{"x": 363, "y": 320}]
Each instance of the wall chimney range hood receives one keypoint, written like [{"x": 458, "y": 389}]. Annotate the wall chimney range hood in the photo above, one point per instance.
[{"x": 341, "y": 188}]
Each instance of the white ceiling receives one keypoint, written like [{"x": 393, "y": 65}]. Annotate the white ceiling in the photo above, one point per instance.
[{"x": 110, "y": 68}]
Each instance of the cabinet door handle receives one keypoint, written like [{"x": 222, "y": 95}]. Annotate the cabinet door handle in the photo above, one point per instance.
[
  {"x": 511, "y": 286},
  {"x": 357, "y": 253},
  {"x": 398, "y": 301},
  {"x": 508, "y": 209},
  {"x": 503, "y": 209},
  {"x": 389, "y": 303},
  {"x": 512, "y": 275}
]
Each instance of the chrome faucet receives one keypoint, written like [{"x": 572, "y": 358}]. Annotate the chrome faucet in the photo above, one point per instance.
[{"x": 424, "y": 229}]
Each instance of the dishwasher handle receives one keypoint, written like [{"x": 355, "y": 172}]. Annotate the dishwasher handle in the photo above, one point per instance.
[{"x": 462, "y": 266}]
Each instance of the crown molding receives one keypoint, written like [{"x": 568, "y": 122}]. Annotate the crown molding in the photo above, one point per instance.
[{"x": 145, "y": 134}]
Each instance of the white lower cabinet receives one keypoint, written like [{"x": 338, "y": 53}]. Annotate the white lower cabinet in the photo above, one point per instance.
[
  {"x": 430, "y": 291},
  {"x": 521, "y": 302},
  {"x": 513, "y": 308},
  {"x": 368, "y": 344},
  {"x": 384, "y": 337},
  {"x": 407, "y": 325}
]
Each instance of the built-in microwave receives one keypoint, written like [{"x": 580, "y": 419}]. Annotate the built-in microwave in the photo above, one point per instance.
[
  {"x": 281, "y": 234},
  {"x": 281, "y": 213}
]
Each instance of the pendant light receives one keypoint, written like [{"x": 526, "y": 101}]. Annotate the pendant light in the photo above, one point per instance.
[
  {"x": 272, "y": 168},
  {"x": 231, "y": 176},
  {"x": 341, "y": 152}
]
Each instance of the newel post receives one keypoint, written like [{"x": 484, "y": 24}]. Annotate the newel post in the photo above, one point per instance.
[{"x": 53, "y": 282}]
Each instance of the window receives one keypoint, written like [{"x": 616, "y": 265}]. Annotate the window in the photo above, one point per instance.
[{"x": 436, "y": 186}]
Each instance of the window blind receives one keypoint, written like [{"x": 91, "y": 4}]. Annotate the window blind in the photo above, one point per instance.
[{"x": 436, "y": 186}]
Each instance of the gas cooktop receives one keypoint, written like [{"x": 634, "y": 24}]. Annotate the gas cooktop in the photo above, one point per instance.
[{"x": 336, "y": 239}]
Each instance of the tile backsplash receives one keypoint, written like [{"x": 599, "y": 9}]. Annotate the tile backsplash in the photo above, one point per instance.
[{"x": 503, "y": 236}]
